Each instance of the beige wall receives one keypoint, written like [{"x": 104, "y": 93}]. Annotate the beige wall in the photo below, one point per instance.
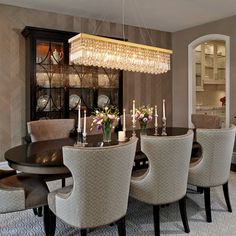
[
  {"x": 143, "y": 88},
  {"x": 180, "y": 42}
]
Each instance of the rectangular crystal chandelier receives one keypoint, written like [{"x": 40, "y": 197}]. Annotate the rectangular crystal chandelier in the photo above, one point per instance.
[{"x": 99, "y": 51}]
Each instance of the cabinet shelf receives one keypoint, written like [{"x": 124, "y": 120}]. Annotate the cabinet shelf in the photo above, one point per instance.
[{"x": 208, "y": 81}]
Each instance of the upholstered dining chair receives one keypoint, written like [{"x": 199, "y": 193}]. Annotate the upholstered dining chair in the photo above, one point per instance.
[
  {"x": 100, "y": 191},
  {"x": 20, "y": 192},
  {"x": 204, "y": 121},
  {"x": 213, "y": 169},
  {"x": 165, "y": 180},
  {"x": 41, "y": 130}
]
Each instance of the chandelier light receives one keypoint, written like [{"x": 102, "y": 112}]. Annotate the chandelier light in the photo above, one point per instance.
[{"x": 99, "y": 51}]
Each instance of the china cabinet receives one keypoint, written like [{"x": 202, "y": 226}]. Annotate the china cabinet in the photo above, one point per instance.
[
  {"x": 209, "y": 64},
  {"x": 55, "y": 88}
]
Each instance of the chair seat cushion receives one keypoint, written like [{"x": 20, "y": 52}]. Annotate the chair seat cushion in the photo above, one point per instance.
[
  {"x": 6, "y": 173},
  {"x": 63, "y": 192},
  {"x": 35, "y": 188}
]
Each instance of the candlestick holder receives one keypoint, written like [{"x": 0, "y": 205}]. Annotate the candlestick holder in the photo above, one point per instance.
[
  {"x": 84, "y": 139},
  {"x": 79, "y": 137},
  {"x": 156, "y": 131},
  {"x": 133, "y": 133},
  {"x": 156, "y": 126},
  {"x": 163, "y": 127}
]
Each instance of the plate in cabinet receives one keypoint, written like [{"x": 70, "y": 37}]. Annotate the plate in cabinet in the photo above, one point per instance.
[
  {"x": 103, "y": 100},
  {"x": 74, "y": 101},
  {"x": 43, "y": 103}
]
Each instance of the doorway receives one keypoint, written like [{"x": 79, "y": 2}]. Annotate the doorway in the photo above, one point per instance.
[{"x": 208, "y": 77}]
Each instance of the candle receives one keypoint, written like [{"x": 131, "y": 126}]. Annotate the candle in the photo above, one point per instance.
[
  {"x": 121, "y": 136},
  {"x": 124, "y": 120},
  {"x": 79, "y": 126},
  {"x": 133, "y": 111},
  {"x": 164, "y": 109},
  {"x": 156, "y": 115},
  {"x": 84, "y": 132}
]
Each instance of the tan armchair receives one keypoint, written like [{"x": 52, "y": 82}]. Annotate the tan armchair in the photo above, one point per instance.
[
  {"x": 166, "y": 178},
  {"x": 214, "y": 167},
  {"x": 40, "y": 130},
  {"x": 100, "y": 191},
  {"x": 203, "y": 121},
  {"x": 21, "y": 192}
]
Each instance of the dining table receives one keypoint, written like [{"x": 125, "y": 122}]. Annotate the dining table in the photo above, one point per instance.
[{"x": 45, "y": 157}]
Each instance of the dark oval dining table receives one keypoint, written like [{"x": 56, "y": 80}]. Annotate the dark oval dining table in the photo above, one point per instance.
[{"x": 45, "y": 157}]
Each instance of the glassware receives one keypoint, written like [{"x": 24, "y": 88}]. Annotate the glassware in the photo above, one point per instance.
[{"x": 106, "y": 128}]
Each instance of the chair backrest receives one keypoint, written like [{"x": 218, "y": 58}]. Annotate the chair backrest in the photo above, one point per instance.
[
  {"x": 101, "y": 178},
  {"x": 217, "y": 147},
  {"x": 204, "y": 121},
  {"x": 169, "y": 157},
  {"x": 40, "y": 130}
]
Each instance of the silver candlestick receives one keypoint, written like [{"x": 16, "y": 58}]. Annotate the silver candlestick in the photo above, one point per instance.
[
  {"x": 156, "y": 126},
  {"x": 133, "y": 126},
  {"x": 163, "y": 127}
]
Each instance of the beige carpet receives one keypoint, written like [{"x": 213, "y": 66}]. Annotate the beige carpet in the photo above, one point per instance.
[{"x": 139, "y": 218}]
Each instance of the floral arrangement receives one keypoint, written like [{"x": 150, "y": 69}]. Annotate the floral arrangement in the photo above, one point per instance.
[
  {"x": 105, "y": 116},
  {"x": 222, "y": 100},
  {"x": 144, "y": 114}
]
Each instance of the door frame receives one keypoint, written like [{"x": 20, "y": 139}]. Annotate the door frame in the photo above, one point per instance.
[{"x": 192, "y": 79}]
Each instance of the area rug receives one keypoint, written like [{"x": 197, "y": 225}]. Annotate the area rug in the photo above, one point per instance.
[{"x": 139, "y": 221}]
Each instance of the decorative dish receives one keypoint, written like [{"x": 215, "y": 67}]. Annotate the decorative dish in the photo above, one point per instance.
[
  {"x": 103, "y": 100},
  {"x": 43, "y": 103},
  {"x": 74, "y": 101}
]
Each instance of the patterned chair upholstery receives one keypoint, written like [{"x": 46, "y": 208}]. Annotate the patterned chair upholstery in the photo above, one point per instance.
[
  {"x": 100, "y": 191},
  {"x": 40, "y": 130},
  {"x": 21, "y": 192},
  {"x": 204, "y": 121},
  {"x": 165, "y": 181},
  {"x": 214, "y": 167}
]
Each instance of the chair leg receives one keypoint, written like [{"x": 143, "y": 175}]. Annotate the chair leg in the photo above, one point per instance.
[
  {"x": 121, "y": 226},
  {"x": 40, "y": 210},
  {"x": 226, "y": 194},
  {"x": 63, "y": 182},
  {"x": 156, "y": 219},
  {"x": 183, "y": 213},
  {"x": 35, "y": 210},
  {"x": 207, "y": 198},
  {"x": 200, "y": 190},
  {"x": 83, "y": 232},
  {"x": 49, "y": 220}
]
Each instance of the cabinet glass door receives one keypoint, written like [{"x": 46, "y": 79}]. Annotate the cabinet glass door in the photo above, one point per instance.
[{"x": 50, "y": 81}]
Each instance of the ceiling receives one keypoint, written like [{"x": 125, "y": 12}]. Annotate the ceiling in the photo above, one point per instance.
[{"x": 165, "y": 15}]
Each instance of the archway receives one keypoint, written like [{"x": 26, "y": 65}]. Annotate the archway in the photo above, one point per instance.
[{"x": 192, "y": 78}]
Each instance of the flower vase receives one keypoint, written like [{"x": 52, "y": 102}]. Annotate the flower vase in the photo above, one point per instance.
[
  {"x": 143, "y": 127},
  {"x": 106, "y": 128}
]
